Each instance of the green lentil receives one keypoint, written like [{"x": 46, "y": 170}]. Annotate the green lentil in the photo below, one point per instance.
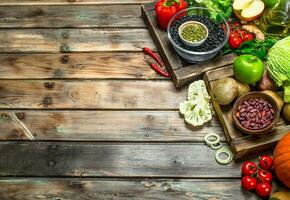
[{"x": 193, "y": 32}]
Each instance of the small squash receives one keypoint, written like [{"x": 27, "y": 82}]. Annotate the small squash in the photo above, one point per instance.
[{"x": 282, "y": 160}]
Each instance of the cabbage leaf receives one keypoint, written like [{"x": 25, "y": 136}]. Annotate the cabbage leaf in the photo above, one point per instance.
[{"x": 278, "y": 63}]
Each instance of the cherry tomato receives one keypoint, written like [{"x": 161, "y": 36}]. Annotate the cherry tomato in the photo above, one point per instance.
[
  {"x": 248, "y": 37},
  {"x": 249, "y": 168},
  {"x": 235, "y": 42},
  {"x": 249, "y": 183},
  {"x": 265, "y": 162},
  {"x": 241, "y": 33},
  {"x": 236, "y": 24},
  {"x": 264, "y": 176},
  {"x": 234, "y": 34},
  {"x": 263, "y": 189}
]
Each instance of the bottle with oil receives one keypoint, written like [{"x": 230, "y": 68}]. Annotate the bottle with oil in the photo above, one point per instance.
[{"x": 276, "y": 19}]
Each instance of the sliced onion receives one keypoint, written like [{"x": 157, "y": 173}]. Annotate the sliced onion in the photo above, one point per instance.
[
  {"x": 228, "y": 152},
  {"x": 216, "y": 146},
  {"x": 212, "y": 138}
]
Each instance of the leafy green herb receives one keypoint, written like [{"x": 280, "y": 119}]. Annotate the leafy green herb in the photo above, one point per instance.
[
  {"x": 221, "y": 7},
  {"x": 254, "y": 47}
]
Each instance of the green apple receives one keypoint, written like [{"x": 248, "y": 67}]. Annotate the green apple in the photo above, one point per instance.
[{"x": 248, "y": 69}]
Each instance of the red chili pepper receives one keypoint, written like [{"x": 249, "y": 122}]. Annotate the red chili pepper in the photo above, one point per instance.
[
  {"x": 153, "y": 55},
  {"x": 157, "y": 69},
  {"x": 165, "y": 9}
]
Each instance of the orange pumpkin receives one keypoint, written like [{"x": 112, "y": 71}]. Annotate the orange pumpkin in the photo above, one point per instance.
[{"x": 282, "y": 160}]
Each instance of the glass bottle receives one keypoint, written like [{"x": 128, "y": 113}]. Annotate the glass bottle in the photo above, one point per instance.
[{"x": 276, "y": 20}]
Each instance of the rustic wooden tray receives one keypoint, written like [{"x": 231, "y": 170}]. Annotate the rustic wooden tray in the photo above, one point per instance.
[
  {"x": 240, "y": 143},
  {"x": 181, "y": 71}
]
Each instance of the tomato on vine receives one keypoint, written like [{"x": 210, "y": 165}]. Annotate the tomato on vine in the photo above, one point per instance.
[
  {"x": 235, "y": 41},
  {"x": 264, "y": 176},
  {"x": 249, "y": 183},
  {"x": 248, "y": 37},
  {"x": 249, "y": 168},
  {"x": 265, "y": 162},
  {"x": 263, "y": 189}
]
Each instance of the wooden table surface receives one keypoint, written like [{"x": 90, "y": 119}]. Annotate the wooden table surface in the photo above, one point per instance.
[{"x": 84, "y": 117}]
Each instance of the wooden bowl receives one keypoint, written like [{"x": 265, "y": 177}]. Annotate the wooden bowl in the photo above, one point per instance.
[{"x": 251, "y": 95}]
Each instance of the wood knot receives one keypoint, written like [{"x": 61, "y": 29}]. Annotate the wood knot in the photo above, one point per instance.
[
  {"x": 64, "y": 48},
  {"x": 64, "y": 59},
  {"x": 47, "y": 101},
  {"x": 49, "y": 85},
  {"x": 65, "y": 35},
  {"x": 20, "y": 115},
  {"x": 5, "y": 116},
  {"x": 150, "y": 117},
  {"x": 58, "y": 73},
  {"x": 51, "y": 163},
  {"x": 52, "y": 146},
  {"x": 71, "y": 1},
  {"x": 75, "y": 96}
]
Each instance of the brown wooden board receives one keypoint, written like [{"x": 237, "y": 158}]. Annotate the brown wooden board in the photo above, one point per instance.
[
  {"x": 241, "y": 143},
  {"x": 115, "y": 125},
  {"x": 123, "y": 189},
  {"x": 181, "y": 71},
  {"x": 113, "y": 159}
]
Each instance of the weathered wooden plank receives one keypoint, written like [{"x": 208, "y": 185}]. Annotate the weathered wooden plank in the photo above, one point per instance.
[
  {"x": 70, "y": 16},
  {"x": 70, "y": 2},
  {"x": 102, "y": 126},
  {"x": 155, "y": 189},
  {"x": 100, "y": 94},
  {"x": 76, "y": 66},
  {"x": 112, "y": 160},
  {"x": 73, "y": 40}
]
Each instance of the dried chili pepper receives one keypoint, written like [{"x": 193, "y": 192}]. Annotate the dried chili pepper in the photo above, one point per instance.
[{"x": 157, "y": 69}]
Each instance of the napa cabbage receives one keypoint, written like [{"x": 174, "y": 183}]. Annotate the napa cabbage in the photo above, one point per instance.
[{"x": 278, "y": 63}]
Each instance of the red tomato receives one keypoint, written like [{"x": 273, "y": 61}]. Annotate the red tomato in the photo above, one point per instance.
[
  {"x": 249, "y": 183},
  {"x": 235, "y": 42},
  {"x": 236, "y": 24},
  {"x": 241, "y": 33},
  {"x": 248, "y": 37},
  {"x": 265, "y": 162},
  {"x": 264, "y": 176},
  {"x": 249, "y": 168},
  {"x": 234, "y": 34},
  {"x": 263, "y": 189}
]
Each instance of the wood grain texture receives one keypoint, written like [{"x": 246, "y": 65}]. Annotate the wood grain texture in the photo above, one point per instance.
[
  {"x": 112, "y": 160},
  {"x": 110, "y": 94},
  {"x": 155, "y": 189},
  {"x": 70, "y": 16},
  {"x": 103, "y": 126},
  {"x": 73, "y": 40},
  {"x": 76, "y": 66},
  {"x": 70, "y": 2}
]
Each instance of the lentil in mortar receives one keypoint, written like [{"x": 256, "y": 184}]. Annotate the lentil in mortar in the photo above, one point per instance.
[
  {"x": 193, "y": 32},
  {"x": 215, "y": 37}
]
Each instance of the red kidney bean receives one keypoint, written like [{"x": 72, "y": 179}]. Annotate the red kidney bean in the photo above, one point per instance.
[{"x": 255, "y": 113}]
